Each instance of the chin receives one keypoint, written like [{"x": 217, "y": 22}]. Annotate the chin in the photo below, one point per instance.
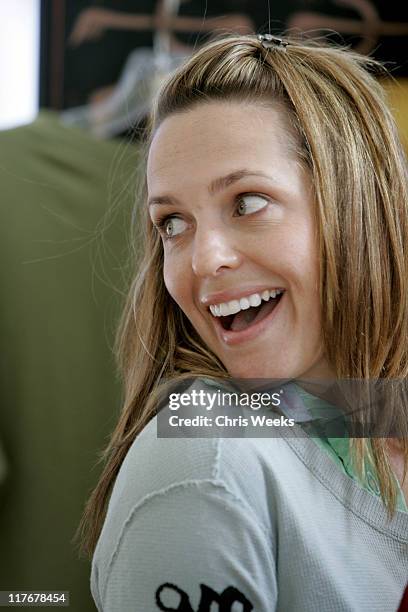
[
  {"x": 259, "y": 370},
  {"x": 286, "y": 369}
]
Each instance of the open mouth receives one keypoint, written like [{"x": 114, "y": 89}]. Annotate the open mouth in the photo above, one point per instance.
[{"x": 249, "y": 317}]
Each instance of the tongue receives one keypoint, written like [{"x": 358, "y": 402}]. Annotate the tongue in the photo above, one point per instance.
[{"x": 245, "y": 318}]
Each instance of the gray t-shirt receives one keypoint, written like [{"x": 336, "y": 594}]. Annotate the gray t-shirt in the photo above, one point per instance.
[{"x": 235, "y": 525}]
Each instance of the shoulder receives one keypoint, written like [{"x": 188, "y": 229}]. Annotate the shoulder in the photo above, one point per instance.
[
  {"x": 252, "y": 473},
  {"x": 171, "y": 500},
  {"x": 177, "y": 518},
  {"x": 246, "y": 470}
]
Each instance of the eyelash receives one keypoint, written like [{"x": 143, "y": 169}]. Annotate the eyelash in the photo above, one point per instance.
[{"x": 162, "y": 220}]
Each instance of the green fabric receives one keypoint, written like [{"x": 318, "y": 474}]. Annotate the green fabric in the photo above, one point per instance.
[
  {"x": 59, "y": 393},
  {"x": 339, "y": 450},
  {"x": 3, "y": 465}
]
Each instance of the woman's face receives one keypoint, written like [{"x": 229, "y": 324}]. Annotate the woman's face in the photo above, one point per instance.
[{"x": 239, "y": 229}]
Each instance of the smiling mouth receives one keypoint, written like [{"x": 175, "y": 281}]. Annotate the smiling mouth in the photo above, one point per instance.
[{"x": 252, "y": 315}]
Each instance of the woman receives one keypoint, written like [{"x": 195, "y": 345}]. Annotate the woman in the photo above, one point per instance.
[{"x": 273, "y": 172}]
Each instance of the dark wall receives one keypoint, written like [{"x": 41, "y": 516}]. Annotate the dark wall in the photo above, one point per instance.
[{"x": 70, "y": 74}]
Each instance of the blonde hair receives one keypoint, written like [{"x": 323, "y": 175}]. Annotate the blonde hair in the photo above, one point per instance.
[{"x": 348, "y": 141}]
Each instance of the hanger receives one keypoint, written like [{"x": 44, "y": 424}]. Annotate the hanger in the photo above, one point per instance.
[
  {"x": 145, "y": 69},
  {"x": 131, "y": 99}
]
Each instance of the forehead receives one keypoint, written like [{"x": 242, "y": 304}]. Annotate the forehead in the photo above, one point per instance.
[{"x": 219, "y": 136}]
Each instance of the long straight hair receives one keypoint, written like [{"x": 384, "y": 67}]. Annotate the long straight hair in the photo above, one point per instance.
[{"x": 348, "y": 141}]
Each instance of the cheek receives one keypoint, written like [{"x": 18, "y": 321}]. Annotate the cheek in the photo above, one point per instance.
[
  {"x": 297, "y": 263},
  {"x": 176, "y": 280},
  {"x": 304, "y": 261},
  {"x": 170, "y": 279}
]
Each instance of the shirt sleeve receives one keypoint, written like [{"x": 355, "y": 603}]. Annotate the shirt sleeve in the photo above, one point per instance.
[{"x": 188, "y": 548}]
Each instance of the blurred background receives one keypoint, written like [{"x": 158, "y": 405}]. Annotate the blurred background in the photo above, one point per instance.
[{"x": 77, "y": 79}]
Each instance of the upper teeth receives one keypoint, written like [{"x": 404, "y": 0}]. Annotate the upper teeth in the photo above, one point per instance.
[{"x": 229, "y": 308}]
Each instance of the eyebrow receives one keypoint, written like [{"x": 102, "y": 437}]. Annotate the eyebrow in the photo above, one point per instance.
[{"x": 215, "y": 186}]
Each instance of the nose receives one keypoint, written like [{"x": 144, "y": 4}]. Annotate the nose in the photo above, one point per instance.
[{"x": 214, "y": 251}]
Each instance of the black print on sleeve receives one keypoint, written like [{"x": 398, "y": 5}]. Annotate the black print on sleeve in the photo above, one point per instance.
[{"x": 229, "y": 596}]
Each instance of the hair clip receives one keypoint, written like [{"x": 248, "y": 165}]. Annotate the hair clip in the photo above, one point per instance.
[{"x": 269, "y": 42}]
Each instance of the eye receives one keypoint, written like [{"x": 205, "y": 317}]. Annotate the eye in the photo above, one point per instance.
[
  {"x": 250, "y": 202},
  {"x": 170, "y": 226}
]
